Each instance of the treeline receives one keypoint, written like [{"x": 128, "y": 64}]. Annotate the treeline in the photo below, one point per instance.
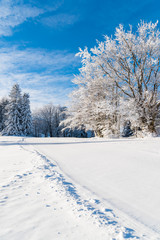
[
  {"x": 16, "y": 118},
  {"x": 48, "y": 122}
]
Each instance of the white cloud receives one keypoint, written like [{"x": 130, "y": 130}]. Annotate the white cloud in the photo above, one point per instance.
[
  {"x": 41, "y": 97},
  {"x": 44, "y": 74},
  {"x": 36, "y": 59},
  {"x": 14, "y": 13},
  {"x": 59, "y": 20}
]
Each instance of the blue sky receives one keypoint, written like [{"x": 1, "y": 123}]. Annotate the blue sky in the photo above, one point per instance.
[{"x": 39, "y": 40}]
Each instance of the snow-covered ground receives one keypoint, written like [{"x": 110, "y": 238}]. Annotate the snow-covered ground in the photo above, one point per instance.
[{"x": 90, "y": 189}]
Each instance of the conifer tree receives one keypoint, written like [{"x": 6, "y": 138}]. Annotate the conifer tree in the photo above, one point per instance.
[
  {"x": 26, "y": 115},
  {"x": 127, "y": 131},
  {"x": 13, "y": 123},
  {"x": 3, "y": 110}
]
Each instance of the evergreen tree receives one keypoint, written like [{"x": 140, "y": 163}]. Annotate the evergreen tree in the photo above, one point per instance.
[
  {"x": 127, "y": 131},
  {"x": 26, "y": 115},
  {"x": 3, "y": 109},
  {"x": 13, "y": 123}
]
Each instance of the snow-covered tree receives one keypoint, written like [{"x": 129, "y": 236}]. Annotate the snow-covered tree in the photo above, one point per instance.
[
  {"x": 13, "y": 123},
  {"x": 131, "y": 60},
  {"x": 3, "y": 111},
  {"x": 26, "y": 118},
  {"x": 119, "y": 81},
  {"x": 46, "y": 121},
  {"x": 93, "y": 107},
  {"x": 17, "y": 116},
  {"x": 48, "y": 114},
  {"x": 94, "y": 104},
  {"x": 37, "y": 124}
]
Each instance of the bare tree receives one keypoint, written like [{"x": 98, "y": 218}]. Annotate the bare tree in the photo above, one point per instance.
[
  {"x": 48, "y": 114},
  {"x": 46, "y": 121}
]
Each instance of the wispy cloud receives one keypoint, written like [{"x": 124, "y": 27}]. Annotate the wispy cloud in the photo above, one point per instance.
[
  {"x": 14, "y": 13},
  {"x": 59, "y": 20},
  {"x": 45, "y": 75},
  {"x": 34, "y": 59}
]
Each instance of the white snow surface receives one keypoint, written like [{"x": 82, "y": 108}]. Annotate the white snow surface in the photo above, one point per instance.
[{"x": 90, "y": 189}]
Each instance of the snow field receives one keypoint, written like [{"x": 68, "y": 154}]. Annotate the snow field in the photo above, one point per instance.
[
  {"x": 77, "y": 189},
  {"x": 37, "y": 204}
]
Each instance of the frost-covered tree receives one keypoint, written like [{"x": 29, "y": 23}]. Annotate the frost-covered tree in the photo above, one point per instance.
[
  {"x": 119, "y": 81},
  {"x": 94, "y": 104},
  {"x": 13, "y": 123},
  {"x": 26, "y": 118},
  {"x": 46, "y": 121},
  {"x": 48, "y": 114},
  {"x": 37, "y": 122},
  {"x": 93, "y": 108},
  {"x": 17, "y": 116},
  {"x": 3, "y": 111},
  {"x": 131, "y": 60}
]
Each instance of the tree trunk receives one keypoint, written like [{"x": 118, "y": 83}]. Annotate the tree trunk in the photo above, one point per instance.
[
  {"x": 99, "y": 133},
  {"x": 151, "y": 127}
]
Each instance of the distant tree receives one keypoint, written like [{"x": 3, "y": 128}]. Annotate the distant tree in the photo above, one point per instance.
[
  {"x": 46, "y": 121},
  {"x": 3, "y": 110},
  {"x": 37, "y": 124},
  {"x": 127, "y": 131},
  {"x": 62, "y": 116},
  {"x": 48, "y": 114},
  {"x": 26, "y": 117},
  {"x": 57, "y": 118}
]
